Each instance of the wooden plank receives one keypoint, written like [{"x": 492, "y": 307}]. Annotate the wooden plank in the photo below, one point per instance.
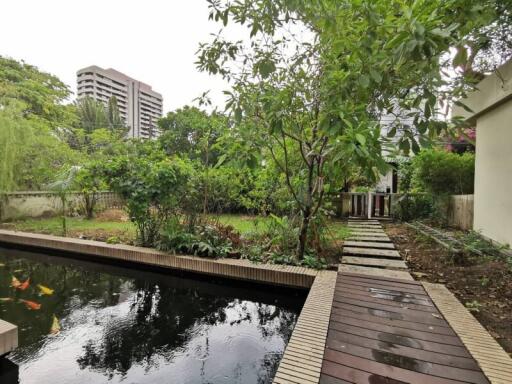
[
  {"x": 371, "y": 262},
  {"x": 387, "y": 296},
  {"x": 396, "y": 286},
  {"x": 368, "y": 244},
  {"x": 335, "y": 360},
  {"x": 355, "y": 288},
  {"x": 391, "y": 315},
  {"x": 405, "y": 324},
  {"x": 385, "y": 279},
  {"x": 371, "y": 252},
  {"x": 336, "y": 340},
  {"x": 337, "y": 323},
  {"x": 414, "y": 364},
  {"x": 325, "y": 379}
]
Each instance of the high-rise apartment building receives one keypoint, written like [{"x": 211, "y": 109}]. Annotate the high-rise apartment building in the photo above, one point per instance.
[{"x": 139, "y": 106}]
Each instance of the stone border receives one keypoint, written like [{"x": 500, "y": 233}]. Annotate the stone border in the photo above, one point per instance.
[
  {"x": 492, "y": 359},
  {"x": 296, "y": 277},
  {"x": 8, "y": 337},
  {"x": 302, "y": 359}
]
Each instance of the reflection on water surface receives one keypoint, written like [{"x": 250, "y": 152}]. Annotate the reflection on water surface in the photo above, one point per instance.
[{"x": 106, "y": 324}]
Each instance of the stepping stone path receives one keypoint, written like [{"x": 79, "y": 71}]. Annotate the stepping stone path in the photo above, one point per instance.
[{"x": 369, "y": 246}]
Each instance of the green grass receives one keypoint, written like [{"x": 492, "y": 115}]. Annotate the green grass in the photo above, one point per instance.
[
  {"x": 242, "y": 223},
  {"x": 53, "y": 226},
  {"x": 338, "y": 231}
]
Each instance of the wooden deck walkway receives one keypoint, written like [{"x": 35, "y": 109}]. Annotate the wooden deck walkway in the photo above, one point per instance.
[{"x": 385, "y": 330}]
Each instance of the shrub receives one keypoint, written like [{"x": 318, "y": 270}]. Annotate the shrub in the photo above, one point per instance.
[
  {"x": 154, "y": 187},
  {"x": 203, "y": 239},
  {"x": 413, "y": 207},
  {"x": 439, "y": 172}
]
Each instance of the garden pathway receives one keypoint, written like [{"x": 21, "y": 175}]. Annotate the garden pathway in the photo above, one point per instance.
[{"x": 387, "y": 328}]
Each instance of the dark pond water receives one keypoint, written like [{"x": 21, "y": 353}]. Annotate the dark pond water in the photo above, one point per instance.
[{"x": 105, "y": 324}]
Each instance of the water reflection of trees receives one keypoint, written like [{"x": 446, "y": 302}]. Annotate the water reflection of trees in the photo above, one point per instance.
[
  {"x": 165, "y": 320},
  {"x": 164, "y": 312}
]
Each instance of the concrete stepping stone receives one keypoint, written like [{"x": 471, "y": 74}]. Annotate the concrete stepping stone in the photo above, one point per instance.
[
  {"x": 381, "y": 253},
  {"x": 368, "y": 244},
  {"x": 387, "y": 273},
  {"x": 371, "y": 262},
  {"x": 368, "y": 234},
  {"x": 361, "y": 222},
  {"x": 379, "y": 239},
  {"x": 365, "y": 226},
  {"x": 367, "y": 230}
]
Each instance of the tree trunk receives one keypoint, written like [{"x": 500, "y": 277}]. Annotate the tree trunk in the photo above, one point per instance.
[
  {"x": 303, "y": 233},
  {"x": 64, "y": 226}
]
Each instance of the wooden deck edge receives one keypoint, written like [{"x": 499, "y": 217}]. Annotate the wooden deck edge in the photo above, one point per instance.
[
  {"x": 302, "y": 359},
  {"x": 490, "y": 356},
  {"x": 8, "y": 337},
  {"x": 296, "y": 277}
]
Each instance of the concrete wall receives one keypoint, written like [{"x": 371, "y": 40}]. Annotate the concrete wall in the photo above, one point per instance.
[
  {"x": 493, "y": 174},
  {"x": 17, "y": 205},
  {"x": 491, "y": 112}
]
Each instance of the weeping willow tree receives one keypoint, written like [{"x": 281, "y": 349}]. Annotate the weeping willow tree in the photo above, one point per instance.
[{"x": 15, "y": 131}]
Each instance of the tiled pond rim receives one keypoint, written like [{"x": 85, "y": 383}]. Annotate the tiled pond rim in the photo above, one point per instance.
[{"x": 305, "y": 353}]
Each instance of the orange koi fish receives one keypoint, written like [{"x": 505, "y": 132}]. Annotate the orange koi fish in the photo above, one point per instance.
[
  {"x": 24, "y": 285},
  {"x": 32, "y": 305}
]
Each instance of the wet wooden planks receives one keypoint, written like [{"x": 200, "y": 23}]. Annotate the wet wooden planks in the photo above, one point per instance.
[{"x": 386, "y": 330}]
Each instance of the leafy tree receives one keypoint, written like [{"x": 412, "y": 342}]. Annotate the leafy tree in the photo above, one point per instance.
[
  {"x": 63, "y": 186},
  {"x": 41, "y": 93},
  {"x": 93, "y": 116},
  {"x": 89, "y": 182},
  {"x": 197, "y": 135},
  {"x": 154, "y": 186},
  {"x": 316, "y": 98},
  {"x": 441, "y": 173}
]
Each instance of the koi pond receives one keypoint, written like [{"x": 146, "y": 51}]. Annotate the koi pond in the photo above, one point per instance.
[{"x": 84, "y": 322}]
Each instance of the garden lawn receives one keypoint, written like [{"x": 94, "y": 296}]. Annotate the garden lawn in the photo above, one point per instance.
[{"x": 124, "y": 231}]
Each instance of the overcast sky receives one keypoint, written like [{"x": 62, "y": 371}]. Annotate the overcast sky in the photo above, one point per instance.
[{"x": 153, "y": 41}]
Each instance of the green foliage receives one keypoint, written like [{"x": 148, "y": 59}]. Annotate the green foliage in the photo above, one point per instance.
[
  {"x": 206, "y": 239},
  {"x": 40, "y": 93},
  {"x": 312, "y": 101},
  {"x": 14, "y": 133},
  {"x": 63, "y": 185},
  {"x": 439, "y": 172},
  {"x": 154, "y": 186},
  {"x": 89, "y": 181},
  {"x": 415, "y": 206}
]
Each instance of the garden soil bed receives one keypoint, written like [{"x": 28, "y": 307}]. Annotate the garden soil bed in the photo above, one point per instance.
[{"x": 483, "y": 285}]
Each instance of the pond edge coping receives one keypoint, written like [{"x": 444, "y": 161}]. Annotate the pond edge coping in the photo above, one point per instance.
[
  {"x": 490, "y": 356},
  {"x": 240, "y": 269}
]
